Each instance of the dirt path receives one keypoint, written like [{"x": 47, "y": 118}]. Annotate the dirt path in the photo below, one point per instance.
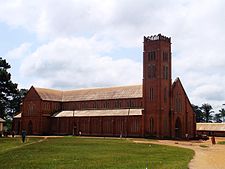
[
  {"x": 207, "y": 156},
  {"x": 24, "y": 144}
]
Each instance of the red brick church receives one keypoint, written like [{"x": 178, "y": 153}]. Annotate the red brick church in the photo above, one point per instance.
[{"x": 157, "y": 108}]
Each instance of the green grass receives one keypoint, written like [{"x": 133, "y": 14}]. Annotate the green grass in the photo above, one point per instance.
[
  {"x": 221, "y": 142},
  {"x": 203, "y": 146},
  {"x": 8, "y": 144},
  {"x": 91, "y": 153}
]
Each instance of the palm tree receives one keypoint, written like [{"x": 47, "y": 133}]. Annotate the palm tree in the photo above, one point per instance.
[
  {"x": 217, "y": 118},
  {"x": 206, "y": 108},
  {"x": 222, "y": 113},
  {"x": 199, "y": 114}
]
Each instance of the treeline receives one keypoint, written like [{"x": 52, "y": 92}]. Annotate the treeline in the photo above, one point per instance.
[
  {"x": 206, "y": 114},
  {"x": 10, "y": 95}
]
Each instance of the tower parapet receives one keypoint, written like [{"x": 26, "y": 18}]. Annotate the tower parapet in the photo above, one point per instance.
[{"x": 157, "y": 37}]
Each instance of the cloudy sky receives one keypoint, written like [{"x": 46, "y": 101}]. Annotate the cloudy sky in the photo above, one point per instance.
[{"x": 93, "y": 43}]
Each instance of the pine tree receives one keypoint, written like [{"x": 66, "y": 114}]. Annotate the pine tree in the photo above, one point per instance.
[{"x": 8, "y": 90}]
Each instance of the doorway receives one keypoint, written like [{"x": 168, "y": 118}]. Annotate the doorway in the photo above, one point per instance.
[
  {"x": 30, "y": 128},
  {"x": 18, "y": 128},
  {"x": 178, "y": 129}
]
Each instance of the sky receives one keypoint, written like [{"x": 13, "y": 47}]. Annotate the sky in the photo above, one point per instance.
[{"x": 75, "y": 44}]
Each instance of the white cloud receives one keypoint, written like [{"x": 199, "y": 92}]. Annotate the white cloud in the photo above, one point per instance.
[
  {"x": 77, "y": 62},
  {"x": 83, "y": 31},
  {"x": 19, "y": 52}
]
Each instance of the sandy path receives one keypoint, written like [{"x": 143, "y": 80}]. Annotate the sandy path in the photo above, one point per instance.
[{"x": 207, "y": 156}]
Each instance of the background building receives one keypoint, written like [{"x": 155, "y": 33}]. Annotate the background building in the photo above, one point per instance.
[
  {"x": 1, "y": 126},
  {"x": 158, "y": 108},
  {"x": 211, "y": 129}
]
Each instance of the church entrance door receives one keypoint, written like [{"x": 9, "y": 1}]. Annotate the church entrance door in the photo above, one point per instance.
[
  {"x": 178, "y": 131},
  {"x": 30, "y": 128}
]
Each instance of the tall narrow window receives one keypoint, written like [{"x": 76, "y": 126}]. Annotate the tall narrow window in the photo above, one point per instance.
[
  {"x": 128, "y": 103},
  {"x": 151, "y": 71},
  {"x": 151, "y": 94},
  {"x": 118, "y": 104},
  {"x": 180, "y": 105},
  {"x": 165, "y": 95},
  {"x": 151, "y": 56},
  {"x": 165, "y": 56},
  {"x": 165, "y": 72},
  {"x": 94, "y": 104},
  {"x": 151, "y": 127},
  {"x": 165, "y": 124},
  {"x": 176, "y": 103}
]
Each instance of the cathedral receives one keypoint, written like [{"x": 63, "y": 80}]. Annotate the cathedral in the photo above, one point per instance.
[{"x": 158, "y": 108}]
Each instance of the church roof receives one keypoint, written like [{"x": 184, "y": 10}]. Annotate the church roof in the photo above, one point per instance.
[
  {"x": 88, "y": 113},
  {"x": 49, "y": 94},
  {"x": 91, "y": 94}
]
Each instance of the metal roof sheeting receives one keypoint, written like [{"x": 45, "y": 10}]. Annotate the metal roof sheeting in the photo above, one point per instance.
[
  {"x": 1, "y": 120},
  {"x": 87, "y": 113},
  {"x": 49, "y": 94},
  {"x": 17, "y": 116},
  {"x": 210, "y": 126},
  {"x": 91, "y": 94}
]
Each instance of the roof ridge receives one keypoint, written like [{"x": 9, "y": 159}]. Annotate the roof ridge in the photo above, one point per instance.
[
  {"x": 47, "y": 89},
  {"x": 87, "y": 88},
  {"x": 112, "y": 87}
]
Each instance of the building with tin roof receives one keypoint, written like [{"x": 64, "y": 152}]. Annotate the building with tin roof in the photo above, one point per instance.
[
  {"x": 211, "y": 129},
  {"x": 156, "y": 108},
  {"x": 1, "y": 126}
]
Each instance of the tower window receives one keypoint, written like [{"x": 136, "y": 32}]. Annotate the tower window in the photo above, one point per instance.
[
  {"x": 151, "y": 71},
  {"x": 165, "y": 72},
  {"x": 165, "y": 95},
  {"x": 151, "y": 56},
  {"x": 166, "y": 75},
  {"x": 151, "y": 94},
  {"x": 165, "y": 56}
]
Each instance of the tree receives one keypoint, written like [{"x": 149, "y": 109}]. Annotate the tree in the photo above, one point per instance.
[
  {"x": 206, "y": 108},
  {"x": 17, "y": 99},
  {"x": 222, "y": 113},
  {"x": 199, "y": 114},
  {"x": 8, "y": 90},
  {"x": 217, "y": 118}
]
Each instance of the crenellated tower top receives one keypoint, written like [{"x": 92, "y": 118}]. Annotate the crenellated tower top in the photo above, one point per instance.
[{"x": 156, "y": 38}]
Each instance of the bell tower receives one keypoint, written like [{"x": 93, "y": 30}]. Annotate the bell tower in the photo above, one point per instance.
[{"x": 157, "y": 86}]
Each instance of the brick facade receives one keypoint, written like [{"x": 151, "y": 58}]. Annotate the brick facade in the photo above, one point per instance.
[{"x": 165, "y": 108}]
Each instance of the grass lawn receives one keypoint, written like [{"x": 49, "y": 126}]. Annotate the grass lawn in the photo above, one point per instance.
[
  {"x": 221, "y": 142},
  {"x": 90, "y": 153},
  {"x": 8, "y": 144}
]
